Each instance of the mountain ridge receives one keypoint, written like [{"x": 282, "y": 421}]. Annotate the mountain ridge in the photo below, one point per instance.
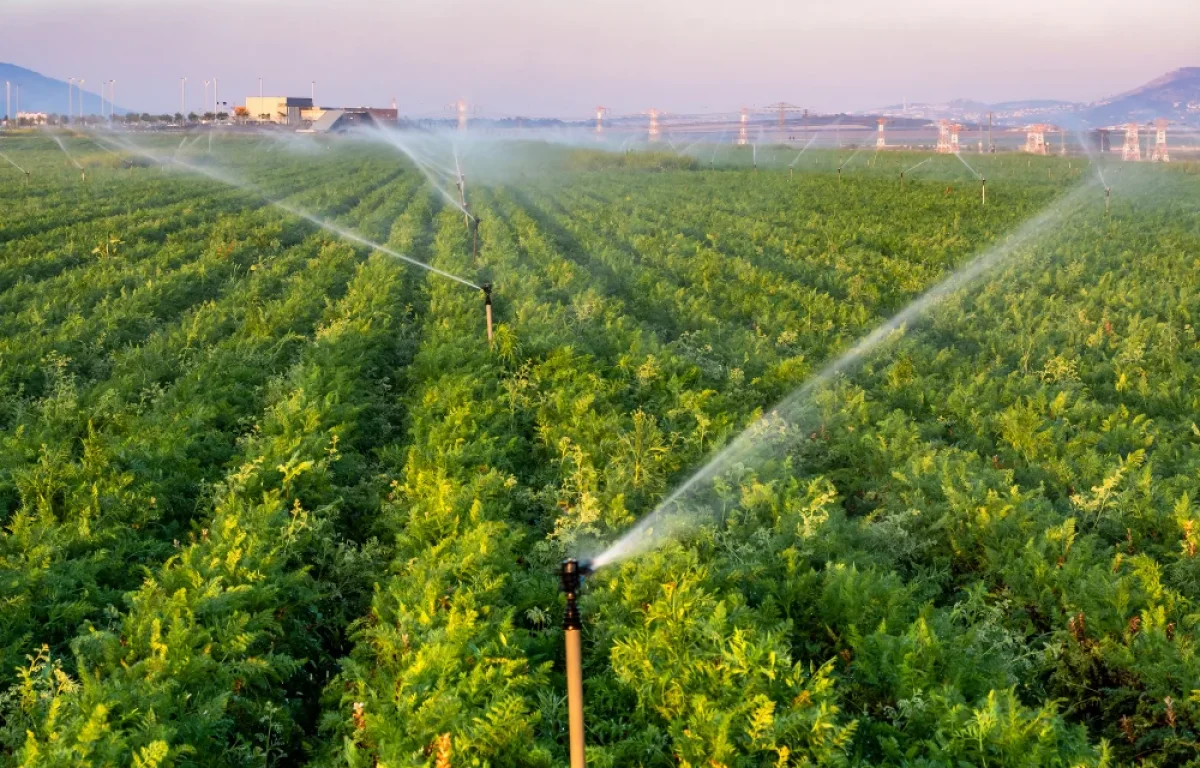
[{"x": 40, "y": 93}]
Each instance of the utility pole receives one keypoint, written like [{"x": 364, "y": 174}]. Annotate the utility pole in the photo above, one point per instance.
[
  {"x": 216, "y": 97},
  {"x": 7, "y": 102},
  {"x": 205, "y": 107},
  {"x": 183, "y": 98},
  {"x": 260, "y": 89},
  {"x": 991, "y": 144},
  {"x": 314, "y": 93},
  {"x": 81, "y": 99},
  {"x": 112, "y": 98},
  {"x": 70, "y": 98}
]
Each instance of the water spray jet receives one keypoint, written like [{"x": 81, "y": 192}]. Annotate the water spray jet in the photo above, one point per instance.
[
  {"x": 14, "y": 164},
  {"x": 174, "y": 162},
  {"x": 571, "y": 574},
  {"x": 788, "y": 423}
]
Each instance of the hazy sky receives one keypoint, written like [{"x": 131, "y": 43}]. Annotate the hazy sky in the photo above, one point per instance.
[{"x": 539, "y": 57}]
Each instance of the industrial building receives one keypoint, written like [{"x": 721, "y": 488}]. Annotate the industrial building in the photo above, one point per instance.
[
  {"x": 280, "y": 110},
  {"x": 311, "y": 115},
  {"x": 342, "y": 120}
]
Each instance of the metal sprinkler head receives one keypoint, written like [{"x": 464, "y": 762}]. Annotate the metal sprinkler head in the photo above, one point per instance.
[
  {"x": 571, "y": 573},
  {"x": 487, "y": 293}
]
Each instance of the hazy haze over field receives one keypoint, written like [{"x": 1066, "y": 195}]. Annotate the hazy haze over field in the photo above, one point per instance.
[{"x": 540, "y": 57}]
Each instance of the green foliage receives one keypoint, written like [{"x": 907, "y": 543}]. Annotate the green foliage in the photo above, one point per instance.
[{"x": 268, "y": 499}]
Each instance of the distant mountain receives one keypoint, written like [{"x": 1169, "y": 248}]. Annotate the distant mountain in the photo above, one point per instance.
[
  {"x": 1010, "y": 106},
  {"x": 1175, "y": 96},
  {"x": 45, "y": 94},
  {"x": 970, "y": 111}
]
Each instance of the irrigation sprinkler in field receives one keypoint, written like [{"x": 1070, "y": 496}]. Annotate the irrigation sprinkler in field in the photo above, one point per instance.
[
  {"x": 846, "y": 162},
  {"x": 571, "y": 576},
  {"x": 475, "y": 239},
  {"x": 983, "y": 189},
  {"x": 13, "y": 163},
  {"x": 487, "y": 308},
  {"x": 1107, "y": 201}
]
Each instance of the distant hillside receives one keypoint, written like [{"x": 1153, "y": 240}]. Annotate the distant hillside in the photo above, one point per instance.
[
  {"x": 45, "y": 94},
  {"x": 1175, "y": 95}
]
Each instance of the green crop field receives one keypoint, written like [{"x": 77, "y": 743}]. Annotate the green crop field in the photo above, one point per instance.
[{"x": 269, "y": 497}]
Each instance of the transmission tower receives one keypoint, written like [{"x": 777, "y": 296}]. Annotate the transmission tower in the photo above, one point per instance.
[
  {"x": 600, "y": 113},
  {"x": 880, "y": 137},
  {"x": 1160, "y": 154},
  {"x": 947, "y": 137},
  {"x": 743, "y": 138},
  {"x": 654, "y": 133},
  {"x": 1132, "y": 151},
  {"x": 463, "y": 110},
  {"x": 1035, "y": 139},
  {"x": 781, "y": 109}
]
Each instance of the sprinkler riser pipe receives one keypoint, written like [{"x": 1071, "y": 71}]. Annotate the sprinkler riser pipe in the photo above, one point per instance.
[
  {"x": 487, "y": 308},
  {"x": 571, "y": 575},
  {"x": 575, "y": 698}
]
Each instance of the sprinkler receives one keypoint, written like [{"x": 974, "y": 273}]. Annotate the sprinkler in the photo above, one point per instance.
[
  {"x": 983, "y": 189},
  {"x": 571, "y": 575},
  {"x": 1107, "y": 200},
  {"x": 487, "y": 307},
  {"x": 901, "y": 178},
  {"x": 475, "y": 240},
  {"x": 839, "y": 174}
]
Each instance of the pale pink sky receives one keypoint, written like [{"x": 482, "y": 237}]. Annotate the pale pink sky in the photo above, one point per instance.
[{"x": 541, "y": 57}]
